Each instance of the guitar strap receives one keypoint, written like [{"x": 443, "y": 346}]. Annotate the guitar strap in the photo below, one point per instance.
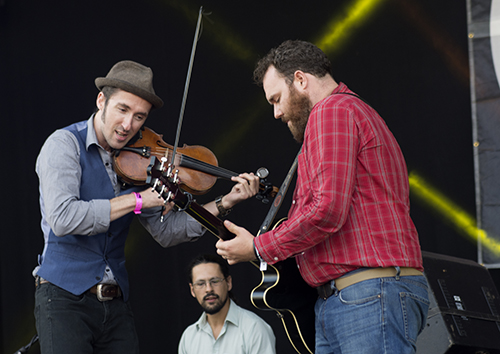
[{"x": 278, "y": 200}]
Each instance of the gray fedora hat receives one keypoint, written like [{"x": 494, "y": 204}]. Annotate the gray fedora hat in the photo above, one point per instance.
[{"x": 131, "y": 77}]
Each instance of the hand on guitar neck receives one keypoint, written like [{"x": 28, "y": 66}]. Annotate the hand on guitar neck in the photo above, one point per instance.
[{"x": 240, "y": 248}]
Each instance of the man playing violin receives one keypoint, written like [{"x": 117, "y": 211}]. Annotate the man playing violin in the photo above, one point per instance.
[
  {"x": 349, "y": 227},
  {"x": 82, "y": 289}
]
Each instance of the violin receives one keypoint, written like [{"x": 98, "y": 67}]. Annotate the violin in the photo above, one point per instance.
[{"x": 197, "y": 165}]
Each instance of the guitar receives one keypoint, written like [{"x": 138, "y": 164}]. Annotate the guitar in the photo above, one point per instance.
[{"x": 282, "y": 289}]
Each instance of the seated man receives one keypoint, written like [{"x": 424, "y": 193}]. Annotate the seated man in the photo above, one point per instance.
[{"x": 224, "y": 327}]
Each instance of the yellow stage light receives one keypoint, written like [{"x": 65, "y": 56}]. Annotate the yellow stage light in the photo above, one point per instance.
[
  {"x": 340, "y": 28},
  {"x": 463, "y": 222}
]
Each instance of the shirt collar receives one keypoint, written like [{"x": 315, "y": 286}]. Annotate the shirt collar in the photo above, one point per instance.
[
  {"x": 91, "y": 135},
  {"x": 232, "y": 316},
  {"x": 341, "y": 87}
]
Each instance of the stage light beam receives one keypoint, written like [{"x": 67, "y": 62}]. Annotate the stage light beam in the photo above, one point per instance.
[
  {"x": 463, "y": 222},
  {"x": 340, "y": 28}
]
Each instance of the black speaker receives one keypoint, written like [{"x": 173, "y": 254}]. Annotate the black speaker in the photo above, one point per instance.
[{"x": 464, "y": 308}]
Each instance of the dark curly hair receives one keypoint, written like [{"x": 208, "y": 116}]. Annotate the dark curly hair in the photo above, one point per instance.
[{"x": 293, "y": 55}]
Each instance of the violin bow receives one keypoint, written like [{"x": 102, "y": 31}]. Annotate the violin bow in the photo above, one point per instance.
[
  {"x": 184, "y": 98},
  {"x": 186, "y": 86}
]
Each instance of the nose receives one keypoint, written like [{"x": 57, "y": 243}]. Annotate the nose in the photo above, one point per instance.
[
  {"x": 277, "y": 112},
  {"x": 127, "y": 123}
]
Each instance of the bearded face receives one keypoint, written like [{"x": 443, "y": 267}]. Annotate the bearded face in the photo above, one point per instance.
[
  {"x": 213, "y": 303},
  {"x": 297, "y": 113},
  {"x": 210, "y": 287}
]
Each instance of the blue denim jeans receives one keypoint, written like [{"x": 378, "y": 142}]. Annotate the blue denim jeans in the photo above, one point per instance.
[
  {"x": 68, "y": 323},
  {"x": 376, "y": 316}
]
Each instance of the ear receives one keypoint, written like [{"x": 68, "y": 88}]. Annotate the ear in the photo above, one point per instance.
[
  {"x": 229, "y": 281},
  {"x": 300, "y": 80},
  {"x": 100, "y": 101},
  {"x": 192, "y": 290}
]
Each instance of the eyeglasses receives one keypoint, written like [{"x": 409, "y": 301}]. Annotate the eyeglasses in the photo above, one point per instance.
[{"x": 214, "y": 282}]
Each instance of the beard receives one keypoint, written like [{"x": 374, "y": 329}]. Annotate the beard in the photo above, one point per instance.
[
  {"x": 216, "y": 307},
  {"x": 300, "y": 107}
]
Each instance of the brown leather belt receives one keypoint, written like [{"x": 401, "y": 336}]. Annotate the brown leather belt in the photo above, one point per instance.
[
  {"x": 104, "y": 292},
  {"x": 326, "y": 290}
]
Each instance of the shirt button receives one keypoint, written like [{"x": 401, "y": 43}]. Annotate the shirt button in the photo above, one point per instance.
[
  {"x": 275, "y": 258},
  {"x": 293, "y": 201}
]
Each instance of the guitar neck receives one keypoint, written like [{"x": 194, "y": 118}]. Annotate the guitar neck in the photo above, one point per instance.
[
  {"x": 170, "y": 191},
  {"x": 209, "y": 221}
]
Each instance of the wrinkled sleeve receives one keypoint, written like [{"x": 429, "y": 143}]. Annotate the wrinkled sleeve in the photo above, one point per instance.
[
  {"x": 177, "y": 227},
  {"x": 59, "y": 172}
]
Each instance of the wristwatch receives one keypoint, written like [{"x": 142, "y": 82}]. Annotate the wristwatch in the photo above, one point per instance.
[{"x": 222, "y": 211}]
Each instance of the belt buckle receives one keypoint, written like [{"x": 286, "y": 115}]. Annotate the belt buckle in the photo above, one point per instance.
[{"x": 99, "y": 293}]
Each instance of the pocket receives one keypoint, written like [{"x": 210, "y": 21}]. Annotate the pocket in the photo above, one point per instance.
[
  {"x": 361, "y": 293},
  {"x": 415, "y": 306},
  {"x": 58, "y": 296}
]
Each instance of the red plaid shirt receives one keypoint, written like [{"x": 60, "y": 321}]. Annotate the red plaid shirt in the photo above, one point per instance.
[{"x": 351, "y": 202}]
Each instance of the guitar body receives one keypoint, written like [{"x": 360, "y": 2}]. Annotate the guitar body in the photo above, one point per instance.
[{"x": 283, "y": 290}]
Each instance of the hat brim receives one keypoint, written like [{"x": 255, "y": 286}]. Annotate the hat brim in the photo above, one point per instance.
[{"x": 156, "y": 101}]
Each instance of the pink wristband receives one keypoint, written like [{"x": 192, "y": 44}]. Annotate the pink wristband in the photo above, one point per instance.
[{"x": 138, "y": 203}]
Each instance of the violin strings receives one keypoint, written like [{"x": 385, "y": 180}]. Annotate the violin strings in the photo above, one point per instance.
[
  {"x": 206, "y": 167},
  {"x": 196, "y": 164}
]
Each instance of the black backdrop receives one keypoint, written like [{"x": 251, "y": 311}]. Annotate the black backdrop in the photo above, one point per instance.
[{"x": 407, "y": 58}]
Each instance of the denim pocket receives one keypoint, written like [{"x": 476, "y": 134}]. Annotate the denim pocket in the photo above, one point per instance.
[
  {"x": 361, "y": 293},
  {"x": 414, "y": 301}
]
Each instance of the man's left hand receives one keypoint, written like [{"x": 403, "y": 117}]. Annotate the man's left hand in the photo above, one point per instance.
[
  {"x": 240, "y": 248},
  {"x": 246, "y": 187}
]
